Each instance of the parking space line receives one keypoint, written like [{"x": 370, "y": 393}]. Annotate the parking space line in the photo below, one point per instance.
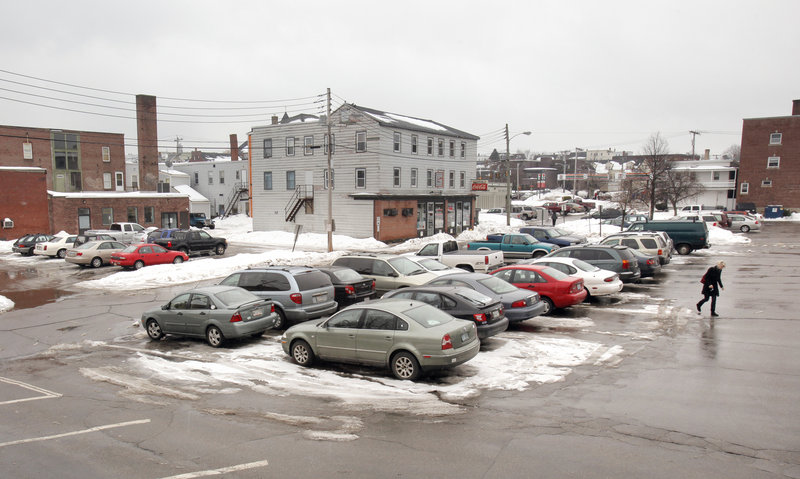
[
  {"x": 222, "y": 470},
  {"x": 45, "y": 393},
  {"x": 74, "y": 433}
]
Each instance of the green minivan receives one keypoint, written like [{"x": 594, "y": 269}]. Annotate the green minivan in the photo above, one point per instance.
[{"x": 687, "y": 236}]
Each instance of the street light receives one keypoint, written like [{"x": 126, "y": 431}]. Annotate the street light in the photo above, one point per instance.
[{"x": 508, "y": 173}]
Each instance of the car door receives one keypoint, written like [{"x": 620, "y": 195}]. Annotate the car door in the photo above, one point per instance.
[
  {"x": 376, "y": 337},
  {"x": 158, "y": 255},
  {"x": 386, "y": 278},
  {"x": 336, "y": 341},
  {"x": 204, "y": 240},
  {"x": 530, "y": 280},
  {"x": 197, "y": 316},
  {"x": 174, "y": 318}
]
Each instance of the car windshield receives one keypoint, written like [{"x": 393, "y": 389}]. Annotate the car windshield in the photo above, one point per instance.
[
  {"x": 428, "y": 316},
  {"x": 347, "y": 275},
  {"x": 554, "y": 273},
  {"x": 584, "y": 266},
  {"x": 236, "y": 297},
  {"x": 432, "y": 264},
  {"x": 312, "y": 280},
  {"x": 130, "y": 249},
  {"x": 406, "y": 266},
  {"x": 474, "y": 297},
  {"x": 497, "y": 285}
]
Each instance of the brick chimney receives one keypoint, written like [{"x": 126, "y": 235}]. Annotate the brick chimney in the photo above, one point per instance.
[
  {"x": 274, "y": 119},
  {"x": 234, "y": 147},
  {"x": 147, "y": 132},
  {"x": 707, "y": 154},
  {"x": 795, "y": 107}
]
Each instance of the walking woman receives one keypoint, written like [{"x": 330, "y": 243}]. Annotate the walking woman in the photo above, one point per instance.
[{"x": 712, "y": 284}]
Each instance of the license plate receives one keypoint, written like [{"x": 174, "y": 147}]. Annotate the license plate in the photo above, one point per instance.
[
  {"x": 258, "y": 313},
  {"x": 464, "y": 337},
  {"x": 320, "y": 298}
]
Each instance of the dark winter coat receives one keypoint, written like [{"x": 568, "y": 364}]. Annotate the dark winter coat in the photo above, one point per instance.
[{"x": 713, "y": 281}]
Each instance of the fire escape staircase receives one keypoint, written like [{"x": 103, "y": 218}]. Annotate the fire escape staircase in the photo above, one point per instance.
[
  {"x": 239, "y": 194},
  {"x": 302, "y": 194}
]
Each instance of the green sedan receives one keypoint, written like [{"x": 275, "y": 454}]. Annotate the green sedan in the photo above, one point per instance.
[
  {"x": 215, "y": 313},
  {"x": 406, "y": 336}
]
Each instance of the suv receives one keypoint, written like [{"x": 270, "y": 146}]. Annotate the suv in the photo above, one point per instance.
[
  {"x": 686, "y": 235},
  {"x": 27, "y": 243},
  {"x": 199, "y": 220},
  {"x": 650, "y": 243},
  {"x": 389, "y": 272},
  {"x": 300, "y": 293},
  {"x": 160, "y": 233},
  {"x": 193, "y": 242},
  {"x": 613, "y": 258},
  {"x": 523, "y": 212}
]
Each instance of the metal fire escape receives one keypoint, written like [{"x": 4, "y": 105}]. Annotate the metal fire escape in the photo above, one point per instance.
[
  {"x": 239, "y": 194},
  {"x": 302, "y": 194}
]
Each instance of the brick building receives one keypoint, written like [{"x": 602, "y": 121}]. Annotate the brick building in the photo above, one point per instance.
[
  {"x": 23, "y": 201},
  {"x": 769, "y": 169}
]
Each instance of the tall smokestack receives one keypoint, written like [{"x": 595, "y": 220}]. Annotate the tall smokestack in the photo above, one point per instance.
[
  {"x": 795, "y": 107},
  {"x": 234, "y": 147},
  {"x": 147, "y": 134}
]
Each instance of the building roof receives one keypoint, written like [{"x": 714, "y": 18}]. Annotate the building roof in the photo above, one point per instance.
[
  {"x": 23, "y": 168},
  {"x": 114, "y": 194},
  {"x": 194, "y": 195},
  {"x": 393, "y": 120}
]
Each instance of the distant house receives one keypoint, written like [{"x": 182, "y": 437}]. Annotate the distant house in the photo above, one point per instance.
[
  {"x": 222, "y": 181},
  {"x": 769, "y": 168},
  {"x": 394, "y": 176},
  {"x": 717, "y": 177}
]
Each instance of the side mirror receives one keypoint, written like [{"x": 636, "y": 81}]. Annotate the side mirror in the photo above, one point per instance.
[{"x": 165, "y": 306}]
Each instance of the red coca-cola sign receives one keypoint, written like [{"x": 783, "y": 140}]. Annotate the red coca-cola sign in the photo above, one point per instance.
[{"x": 480, "y": 186}]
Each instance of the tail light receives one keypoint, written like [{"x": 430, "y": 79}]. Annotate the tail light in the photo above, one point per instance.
[
  {"x": 610, "y": 279},
  {"x": 486, "y": 260},
  {"x": 272, "y": 308},
  {"x": 169, "y": 244},
  {"x": 625, "y": 264},
  {"x": 519, "y": 304},
  {"x": 446, "y": 343},
  {"x": 661, "y": 252},
  {"x": 651, "y": 262},
  {"x": 479, "y": 317},
  {"x": 349, "y": 289},
  {"x": 296, "y": 298},
  {"x": 45, "y": 247},
  {"x": 756, "y": 221},
  {"x": 236, "y": 317},
  {"x": 373, "y": 284},
  {"x": 78, "y": 254}
]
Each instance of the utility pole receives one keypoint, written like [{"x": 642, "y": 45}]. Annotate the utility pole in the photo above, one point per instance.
[
  {"x": 330, "y": 176},
  {"x": 693, "y": 133},
  {"x": 178, "y": 146},
  {"x": 508, "y": 178}
]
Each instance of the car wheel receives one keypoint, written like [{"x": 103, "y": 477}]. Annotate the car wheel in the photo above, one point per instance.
[
  {"x": 62, "y": 253},
  {"x": 466, "y": 267},
  {"x": 220, "y": 249},
  {"x": 302, "y": 353},
  {"x": 138, "y": 265},
  {"x": 548, "y": 305},
  {"x": 178, "y": 260},
  {"x": 405, "y": 366},
  {"x": 97, "y": 262},
  {"x": 538, "y": 254},
  {"x": 683, "y": 249},
  {"x": 745, "y": 228},
  {"x": 214, "y": 336},
  {"x": 154, "y": 330},
  {"x": 280, "y": 323}
]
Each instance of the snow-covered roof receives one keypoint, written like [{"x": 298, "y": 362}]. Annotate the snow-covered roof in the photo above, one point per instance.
[
  {"x": 114, "y": 194},
  {"x": 394, "y": 120},
  {"x": 172, "y": 172},
  {"x": 194, "y": 195},
  {"x": 22, "y": 168}
]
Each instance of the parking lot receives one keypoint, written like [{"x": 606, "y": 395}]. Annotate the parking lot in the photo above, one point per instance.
[{"x": 633, "y": 385}]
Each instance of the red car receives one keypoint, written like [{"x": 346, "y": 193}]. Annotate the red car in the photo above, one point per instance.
[
  {"x": 137, "y": 256},
  {"x": 557, "y": 289}
]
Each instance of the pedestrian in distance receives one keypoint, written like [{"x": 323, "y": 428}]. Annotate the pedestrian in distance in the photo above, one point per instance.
[
  {"x": 712, "y": 284},
  {"x": 554, "y": 216}
]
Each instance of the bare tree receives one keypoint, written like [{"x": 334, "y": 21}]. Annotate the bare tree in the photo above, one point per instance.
[
  {"x": 733, "y": 152},
  {"x": 654, "y": 165},
  {"x": 678, "y": 186},
  {"x": 628, "y": 194}
]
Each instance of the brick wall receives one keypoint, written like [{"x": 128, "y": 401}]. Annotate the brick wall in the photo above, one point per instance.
[
  {"x": 23, "y": 199},
  {"x": 65, "y": 210},
  {"x": 395, "y": 227}
]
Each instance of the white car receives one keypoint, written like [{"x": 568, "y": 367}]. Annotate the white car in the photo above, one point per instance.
[
  {"x": 598, "y": 282},
  {"x": 744, "y": 223},
  {"x": 56, "y": 248},
  {"x": 434, "y": 266}
]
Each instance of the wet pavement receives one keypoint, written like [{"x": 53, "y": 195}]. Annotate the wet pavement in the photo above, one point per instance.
[{"x": 661, "y": 391}]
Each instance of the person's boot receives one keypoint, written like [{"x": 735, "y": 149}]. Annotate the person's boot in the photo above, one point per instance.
[
  {"x": 713, "y": 314},
  {"x": 698, "y": 308}
]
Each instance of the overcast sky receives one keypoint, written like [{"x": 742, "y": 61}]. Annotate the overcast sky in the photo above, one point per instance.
[{"x": 589, "y": 74}]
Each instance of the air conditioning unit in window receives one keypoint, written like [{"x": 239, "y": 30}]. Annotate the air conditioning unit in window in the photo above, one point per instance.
[
  {"x": 408, "y": 211},
  {"x": 8, "y": 223},
  {"x": 390, "y": 212}
]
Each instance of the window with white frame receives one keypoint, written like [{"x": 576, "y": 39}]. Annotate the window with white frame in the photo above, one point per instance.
[
  {"x": 716, "y": 175},
  {"x": 325, "y": 179},
  {"x": 290, "y": 180},
  {"x": 267, "y": 180},
  {"x": 414, "y": 140},
  {"x": 462, "y": 179},
  {"x": 119, "y": 179},
  {"x": 744, "y": 188},
  {"x": 451, "y": 179},
  {"x": 196, "y": 178},
  {"x": 331, "y": 144},
  {"x": 361, "y": 141},
  {"x": 106, "y": 181},
  {"x": 463, "y": 149},
  {"x": 396, "y": 143},
  {"x": 430, "y": 146},
  {"x": 766, "y": 183},
  {"x": 429, "y": 182},
  {"x": 106, "y": 154},
  {"x": 361, "y": 177},
  {"x": 210, "y": 177},
  {"x": 221, "y": 177},
  {"x": 290, "y": 146},
  {"x": 775, "y": 138},
  {"x": 308, "y": 143},
  {"x": 440, "y": 146},
  {"x": 774, "y": 162},
  {"x": 268, "y": 148},
  {"x": 396, "y": 177},
  {"x": 413, "y": 177},
  {"x": 452, "y": 150}
]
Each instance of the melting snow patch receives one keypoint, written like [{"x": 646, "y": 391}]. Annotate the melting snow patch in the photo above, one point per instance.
[{"x": 5, "y": 304}]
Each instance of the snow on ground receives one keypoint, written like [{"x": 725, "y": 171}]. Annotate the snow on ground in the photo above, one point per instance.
[{"x": 5, "y": 304}]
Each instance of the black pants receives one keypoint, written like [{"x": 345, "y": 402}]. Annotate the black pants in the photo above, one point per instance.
[{"x": 713, "y": 302}]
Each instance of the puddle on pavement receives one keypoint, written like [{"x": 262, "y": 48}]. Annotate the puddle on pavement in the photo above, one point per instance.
[{"x": 19, "y": 285}]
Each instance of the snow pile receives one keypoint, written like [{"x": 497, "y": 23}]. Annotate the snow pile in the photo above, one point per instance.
[
  {"x": 792, "y": 217},
  {"x": 5, "y": 304}
]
